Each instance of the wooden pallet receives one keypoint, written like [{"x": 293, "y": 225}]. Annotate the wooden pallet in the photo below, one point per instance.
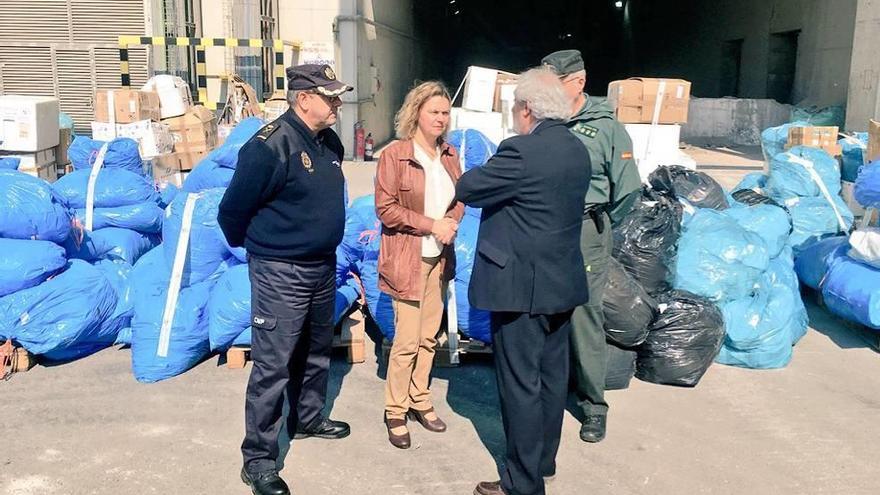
[
  {"x": 14, "y": 360},
  {"x": 352, "y": 337}
]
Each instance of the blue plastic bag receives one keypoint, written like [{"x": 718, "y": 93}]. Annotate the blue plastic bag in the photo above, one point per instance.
[
  {"x": 770, "y": 222},
  {"x": 118, "y": 273},
  {"x": 143, "y": 217},
  {"x": 867, "y": 188},
  {"x": 226, "y": 155},
  {"x": 852, "y": 291},
  {"x": 814, "y": 261},
  {"x": 208, "y": 174},
  {"x": 9, "y": 163},
  {"x": 781, "y": 273},
  {"x": 122, "y": 153},
  {"x": 65, "y": 317},
  {"x": 113, "y": 187},
  {"x": 478, "y": 148},
  {"x": 820, "y": 116},
  {"x": 111, "y": 243},
  {"x": 852, "y": 157},
  {"x": 472, "y": 322},
  {"x": 757, "y": 330},
  {"x": 790, "y": 177},
  {"x": 378, "y": 303},
  {"x": 30, "y": 209},
  {"x": 207, "y": 248},
  {"x": 773, "y": 139},
  {"x": 814, "y": 219},
  {"x": 363, "y": 229},
  {"x": 188, "y": 343},
  {"x": 755, "y": 181},
  {"x": 718, "y": 259},
  {"x": 26, "y": 263}
]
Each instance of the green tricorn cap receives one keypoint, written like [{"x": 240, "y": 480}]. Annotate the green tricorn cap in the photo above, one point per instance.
[{"x": 564, "y": 62}]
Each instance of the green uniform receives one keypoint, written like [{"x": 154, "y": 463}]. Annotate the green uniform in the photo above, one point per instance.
[{"x": 613, "y": 190}]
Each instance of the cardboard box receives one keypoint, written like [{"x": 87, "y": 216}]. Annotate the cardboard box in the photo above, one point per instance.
[
  {"x": 274, "y": 108},
  {"x": 815, "y": 137},
  {"x": 489, "y": 123},
  {"x": 195, "y": 131},
  {"x": 39, "y": 164},
  {"x": 164, "y": 165},
  {"x": 124, "y": 106},
  {"x": 153, "y": 138},
  {"x": 65, "y": 138},
  {"x": 479, "y": 89},
  {"x": 847, "y": 192},
  {"x": 873, "y": 151},
  {"x": 28, "y": 123},
  {"x": 174, "y": 94},
  {"x": 636, "y": 100}
]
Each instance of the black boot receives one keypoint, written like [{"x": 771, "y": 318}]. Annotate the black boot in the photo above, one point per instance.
[
  {"x": 593, "y": 428},
  {"x": 324, "y": 428},
  {"x": 265, "y": 483}
]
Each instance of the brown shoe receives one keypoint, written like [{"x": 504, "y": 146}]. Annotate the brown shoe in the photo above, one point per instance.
[
  {"x": 489, "y": 488},
  {"x": 427, "y": 418},
  {"x": 398, "y": 434}
]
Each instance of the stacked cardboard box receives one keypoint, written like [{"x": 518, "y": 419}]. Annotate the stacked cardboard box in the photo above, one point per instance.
[
  {"x": 487, "y": 103},
  {"x": 825, "y": 138},
  {"x": 127, "y": 113},
  {"x": 194, "y": 135},
  {"x": 642, "y": 100},
  {"x": 29, "y": 130},
  {"x": 873, "y": 151}
]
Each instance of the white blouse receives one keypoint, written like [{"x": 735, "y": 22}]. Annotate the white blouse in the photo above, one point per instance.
[{"x": 439, "y": 193}]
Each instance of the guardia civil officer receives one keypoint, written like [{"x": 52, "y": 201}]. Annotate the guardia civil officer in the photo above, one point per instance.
[
  {"x": 613, "y": 190},
  {"x": 285, "y": 205}
]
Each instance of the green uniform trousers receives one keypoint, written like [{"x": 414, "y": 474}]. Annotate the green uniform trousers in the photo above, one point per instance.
[{"x": 588, "y": 332}]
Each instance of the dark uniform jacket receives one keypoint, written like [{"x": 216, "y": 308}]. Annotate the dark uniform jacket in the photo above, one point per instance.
[
  {"x": 532, "y": 194},
  {"x": 286, "y": 198}
]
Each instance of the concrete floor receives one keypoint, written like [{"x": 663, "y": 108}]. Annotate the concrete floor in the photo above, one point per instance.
[{"x": 88, "y": 428}]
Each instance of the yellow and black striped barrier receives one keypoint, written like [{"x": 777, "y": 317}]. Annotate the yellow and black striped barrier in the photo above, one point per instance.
[{"x": 200, "y": 44}]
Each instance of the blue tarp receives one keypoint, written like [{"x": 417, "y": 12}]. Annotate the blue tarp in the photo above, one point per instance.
[
  {"x": 144, "y": 217},
  {"x": 26, "y": 263},
  {"x": 30, "y": 209},
  {"x": 113, "y": 187},
  {"x": 719, "y": 259},
  {"x": 853, "y": 155},
  {"x": 813, "y": 262},
  {"x": 111, "y": 243},
  {"x": 867, "y": 188},
  {"x": 188, "y": 342},
  {"x": 789, "y": 176},
  {"x": 65, "y": 317},
  {"x": 852, "y": 290},
  {"x": 121, "y": 153},
  {"x": 207, "y": 247}
]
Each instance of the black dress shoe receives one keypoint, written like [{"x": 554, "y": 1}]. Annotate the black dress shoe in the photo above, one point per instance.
[
  {"x": 265, "y": 483},
  {"x": 593, "y": 428},
  {"x": 325, "y": 428},
  {"x": 489, "y": 488}
]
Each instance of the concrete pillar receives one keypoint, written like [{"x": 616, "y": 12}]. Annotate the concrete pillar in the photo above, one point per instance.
[{"x": 863, "y": 100}]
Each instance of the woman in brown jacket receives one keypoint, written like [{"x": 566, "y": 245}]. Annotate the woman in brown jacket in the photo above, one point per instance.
[{"x": 415, "y": 191}]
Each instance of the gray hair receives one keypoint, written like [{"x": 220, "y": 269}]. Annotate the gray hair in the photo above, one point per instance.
[
  {"x": 291, "y": 96},
  {"x": 541, "y": 90}
]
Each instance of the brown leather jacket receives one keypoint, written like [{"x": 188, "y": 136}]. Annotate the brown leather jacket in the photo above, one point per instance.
[{"x": 400, "y": 205}]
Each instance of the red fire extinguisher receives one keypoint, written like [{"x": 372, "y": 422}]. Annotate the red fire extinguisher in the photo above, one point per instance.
[
  {"x": 359, "y": 140},
  {"x": 368, "y": 147}
]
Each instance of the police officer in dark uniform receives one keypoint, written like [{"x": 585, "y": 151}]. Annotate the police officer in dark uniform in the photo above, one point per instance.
[{"x": 285, "y": 205}]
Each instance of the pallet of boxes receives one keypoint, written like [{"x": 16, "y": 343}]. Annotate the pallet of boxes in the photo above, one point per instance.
[
  {"x": 653, "y": 111},
  {"x": 30, "y": 134},
  {"x": 173, "y": 135}
]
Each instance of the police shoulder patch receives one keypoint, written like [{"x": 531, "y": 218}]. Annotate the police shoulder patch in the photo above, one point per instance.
[
  {"x": 267, "y": 131},
  {"x": 585, "y": 129}
]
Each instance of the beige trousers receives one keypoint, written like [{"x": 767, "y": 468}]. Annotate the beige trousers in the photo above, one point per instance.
[{"x": 416, "y": 325}]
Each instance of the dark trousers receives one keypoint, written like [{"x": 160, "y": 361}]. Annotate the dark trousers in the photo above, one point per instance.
[
  {"x": 588, "y": 321},
  {"x": 292, "y": 308},
  {"x": 532, "y": 366}
]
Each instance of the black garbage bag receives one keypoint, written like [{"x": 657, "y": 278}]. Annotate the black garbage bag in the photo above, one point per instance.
[
  {"x": 683, "y": 340},
  {"x": 620, "y": 367},
  {"x": 628, "y": 308},
  {"x": 645, "y": 241},
  {"x": 697, "y": 188}
]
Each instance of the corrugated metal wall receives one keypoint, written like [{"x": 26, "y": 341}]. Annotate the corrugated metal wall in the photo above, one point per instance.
[{"x": 68, "y": 49}]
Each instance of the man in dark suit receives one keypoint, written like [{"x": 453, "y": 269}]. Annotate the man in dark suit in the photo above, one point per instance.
[{"x": 529, "y": 273}]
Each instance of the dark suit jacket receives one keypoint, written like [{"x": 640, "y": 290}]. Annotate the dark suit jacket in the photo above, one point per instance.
[{"x": 532, "y": 194}]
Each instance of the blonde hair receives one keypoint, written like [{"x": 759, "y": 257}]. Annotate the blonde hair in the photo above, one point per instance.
[{"x": 407, "y": 119}]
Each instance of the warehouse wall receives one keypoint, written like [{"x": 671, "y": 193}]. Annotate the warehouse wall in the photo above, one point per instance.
[
  {"x": 685, "y": 39},
  {"x": 864, "y": 81}
]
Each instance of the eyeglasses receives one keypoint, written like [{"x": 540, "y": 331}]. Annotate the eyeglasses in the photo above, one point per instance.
[{"x": 329, "y": 99}]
